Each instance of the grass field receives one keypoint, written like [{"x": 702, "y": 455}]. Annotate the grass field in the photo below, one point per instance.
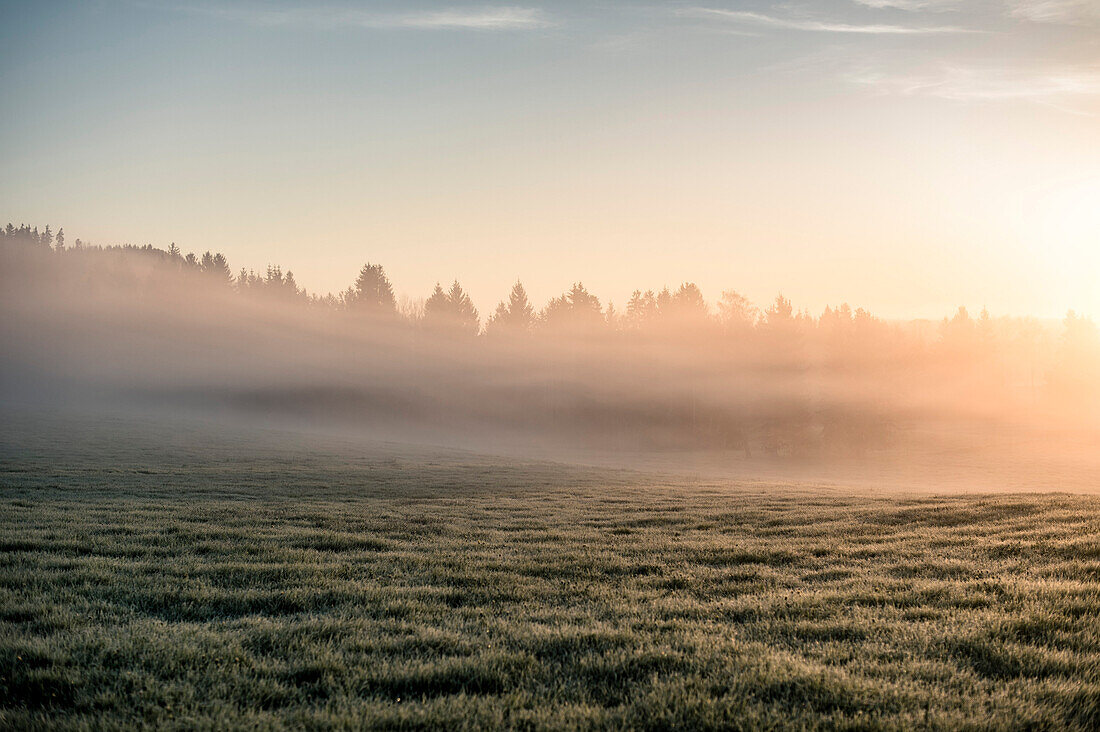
[{"x": 181, "y": 583}]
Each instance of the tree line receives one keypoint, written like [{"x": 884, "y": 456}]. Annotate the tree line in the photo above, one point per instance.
[
  {"x": 668, "y": 367},
  {"x": 841, "y": 332}
]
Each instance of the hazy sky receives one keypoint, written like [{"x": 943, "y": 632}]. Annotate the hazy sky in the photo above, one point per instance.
[{"x": 904, "y": 155}]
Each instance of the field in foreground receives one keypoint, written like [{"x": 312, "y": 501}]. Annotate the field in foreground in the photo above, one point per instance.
[{"x": 242, "y": 585}]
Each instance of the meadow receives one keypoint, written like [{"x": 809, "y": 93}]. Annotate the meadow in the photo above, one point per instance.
[{"x": 198, "y": 581}]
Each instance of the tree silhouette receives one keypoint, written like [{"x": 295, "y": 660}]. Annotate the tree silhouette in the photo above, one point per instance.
[
  {"x": 466, "y": 314},
  {"x": 957, "y": 334},
  {"x": 611, "y": 317},
  {"x": 216, "y": 268},
  {"x": 437, "y": 307},
  {"x": 290, "y": 287},
  {"x": 780, "y": 314},
  {"x": 245, "y": 281},
  {"x": 452, "y": 309},
  {"x": 664, "y": 302},
  {"x": 515, "y": 316},
  {"x": 577, "y": 309},
  {"x": 1078, "y": 361},
  {"x": 735, "y": 312},
  {"x": 372, "y": 292},
  {"x": 686, "y": 307},
  {"x": 641, "y": 309}
]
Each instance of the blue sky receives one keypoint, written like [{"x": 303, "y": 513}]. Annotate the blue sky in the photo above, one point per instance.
[{"x": 904, "y": 155}]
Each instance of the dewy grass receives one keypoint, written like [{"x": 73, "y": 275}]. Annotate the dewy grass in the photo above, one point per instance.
[{"x": 402, "y": 591}]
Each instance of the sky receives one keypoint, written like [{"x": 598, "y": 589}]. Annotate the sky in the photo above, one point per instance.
[{"x": 907, "y": 156}]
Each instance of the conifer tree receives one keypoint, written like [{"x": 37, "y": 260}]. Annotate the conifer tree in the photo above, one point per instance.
[
  {"x": 516, "y": 315},
  {"x": 372, "y": 292}
]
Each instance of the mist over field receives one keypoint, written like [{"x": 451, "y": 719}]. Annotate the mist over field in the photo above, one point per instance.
[{"x": 156, "y": 333}]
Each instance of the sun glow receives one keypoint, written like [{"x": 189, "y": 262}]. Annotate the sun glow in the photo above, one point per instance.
[
  {"x": 1061, "y": 229},
  {"x": 1069, "y": 224}
]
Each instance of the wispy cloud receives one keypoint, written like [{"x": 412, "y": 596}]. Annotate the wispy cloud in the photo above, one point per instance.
[
  {"x": 1067, "y": 12},
  {"x": 1057, "y": 87},
  {"x": 1064, "y": 12},
  {"x": 912, "y": 5},
  {"x": 332, "y": 17},
  {"x": 744, "y": 17}
]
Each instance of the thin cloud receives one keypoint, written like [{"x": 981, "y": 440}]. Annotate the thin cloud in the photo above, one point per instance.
[
  {"x": 481, "y": 18},
  {"x": 911, "y": 5},
  {"x": 745, "y": 17},
  {"x": 1065, "y": 12},
  {"x": 1059, "y": 88}
]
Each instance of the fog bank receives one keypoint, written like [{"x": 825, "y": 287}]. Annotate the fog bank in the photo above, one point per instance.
[{"x": 142, "y": 330}]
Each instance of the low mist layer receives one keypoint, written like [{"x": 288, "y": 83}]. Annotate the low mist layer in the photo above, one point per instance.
[{"x": 130, "y": 328}]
